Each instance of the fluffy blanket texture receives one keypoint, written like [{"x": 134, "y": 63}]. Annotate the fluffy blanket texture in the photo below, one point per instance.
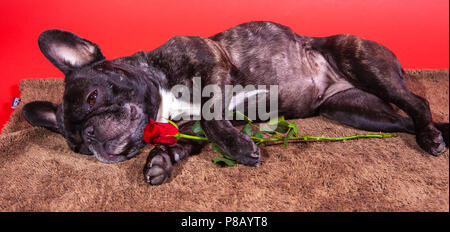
[{"x": 38, "y": 171}]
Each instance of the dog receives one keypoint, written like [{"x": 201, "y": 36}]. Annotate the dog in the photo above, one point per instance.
[{"x": 107, "y": 103}]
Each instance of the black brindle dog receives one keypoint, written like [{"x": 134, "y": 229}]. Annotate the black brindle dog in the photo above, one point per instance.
[{"x": 106, "y": 104}]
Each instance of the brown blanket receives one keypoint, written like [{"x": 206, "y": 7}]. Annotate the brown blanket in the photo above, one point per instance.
[{"x": 38, "y": 171}]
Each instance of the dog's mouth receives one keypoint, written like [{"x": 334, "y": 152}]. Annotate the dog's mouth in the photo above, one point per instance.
[
  {"x": 106, "y": 157},
  {"x": 103, "y": 155}
]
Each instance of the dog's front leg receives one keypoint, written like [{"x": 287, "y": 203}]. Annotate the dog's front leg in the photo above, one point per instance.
[
  {"x": 158, "y": 167},
  {"x": 221, "y": 132}
]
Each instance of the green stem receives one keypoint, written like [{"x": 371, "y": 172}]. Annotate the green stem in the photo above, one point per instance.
[
  {"x": 306, "y": 138},
  {"x": 185, "y": 136},
  {"x": 262, "y": 140}
]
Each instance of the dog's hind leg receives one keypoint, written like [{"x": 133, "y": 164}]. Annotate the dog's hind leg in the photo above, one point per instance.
[
  {"x": 371, "y": 67},
  {"x": 365, "y": 111},
  {"x": 159, "y": 165}
]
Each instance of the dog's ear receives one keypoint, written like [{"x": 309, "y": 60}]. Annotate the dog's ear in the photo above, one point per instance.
[
  {"x": 43, "y": 114},
  {"x": 68, "y": 51}
]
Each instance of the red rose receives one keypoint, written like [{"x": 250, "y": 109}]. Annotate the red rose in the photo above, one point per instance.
[{"x": 160, "y": 133}]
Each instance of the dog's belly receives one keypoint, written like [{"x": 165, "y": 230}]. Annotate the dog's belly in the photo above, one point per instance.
[{"x": 267, "y": 53}]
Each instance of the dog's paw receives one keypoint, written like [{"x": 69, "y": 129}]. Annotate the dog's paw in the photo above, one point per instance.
[
  {"x": 431, "y": 140},
  {"x": 444, "y": 128},
  {"x": 158, "y": 168},
  {"x": 245, "y": 152},
  {"x": 251, "y": 157}
]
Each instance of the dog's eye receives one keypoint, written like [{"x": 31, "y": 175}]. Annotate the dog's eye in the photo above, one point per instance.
[{"x": 92, "y": 98}]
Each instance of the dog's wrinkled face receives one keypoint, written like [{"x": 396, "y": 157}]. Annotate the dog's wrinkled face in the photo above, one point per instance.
[{"x": 102, "y": 111}]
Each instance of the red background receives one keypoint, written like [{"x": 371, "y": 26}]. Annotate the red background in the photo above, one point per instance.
[{"x": 416, "y": 31}]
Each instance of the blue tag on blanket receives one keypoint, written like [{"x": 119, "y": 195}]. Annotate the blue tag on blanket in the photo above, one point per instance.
[{"x": 15, "y": 102}]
